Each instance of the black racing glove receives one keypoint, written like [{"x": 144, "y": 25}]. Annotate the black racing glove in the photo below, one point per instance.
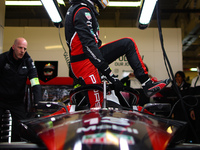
[
  {"x": 118, "y": 85},
  {"x": 105, "y": 70}
]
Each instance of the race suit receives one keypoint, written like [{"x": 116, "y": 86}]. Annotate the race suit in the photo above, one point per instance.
[
  {"x": 13, "y": 77},
  {"x": 86, "y": 53}
]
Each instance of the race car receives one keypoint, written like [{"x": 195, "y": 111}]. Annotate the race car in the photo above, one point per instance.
[{"x": 118, "y": 125}]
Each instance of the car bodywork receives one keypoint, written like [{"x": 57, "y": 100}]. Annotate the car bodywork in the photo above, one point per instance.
[
  {"x": 104, "y": 129},
  {"x": 55, "y": 128}
]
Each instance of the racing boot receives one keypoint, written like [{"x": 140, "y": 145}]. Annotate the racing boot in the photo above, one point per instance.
[{"x": 150, "y": 87}]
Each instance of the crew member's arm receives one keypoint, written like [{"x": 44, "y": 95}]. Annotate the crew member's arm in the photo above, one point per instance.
[{"x": 35, "y": 84}]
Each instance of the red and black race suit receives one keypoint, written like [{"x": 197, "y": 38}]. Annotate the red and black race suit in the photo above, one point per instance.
[{"x": 87, "y": 56}]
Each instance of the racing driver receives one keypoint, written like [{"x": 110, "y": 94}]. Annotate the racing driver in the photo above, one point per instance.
[{"x": 88, "y": 57}]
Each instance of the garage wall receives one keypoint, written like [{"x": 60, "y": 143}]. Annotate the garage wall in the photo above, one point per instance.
[
  {"x": 44, "y": 44},
  {"x": 2, "y": 20}
]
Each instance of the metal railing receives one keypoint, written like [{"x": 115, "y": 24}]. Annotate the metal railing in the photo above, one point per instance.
[{"x": 6, "y": 127}]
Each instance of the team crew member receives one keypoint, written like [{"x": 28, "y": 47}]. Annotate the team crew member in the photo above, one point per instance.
[
  {"x": 196, "y": 80},
  {"x": 15, "y": 66},
  {"x": 88, "y": 56}
]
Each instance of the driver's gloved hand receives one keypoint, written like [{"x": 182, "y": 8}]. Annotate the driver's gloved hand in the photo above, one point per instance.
[
  {"x": 118, "y": 85},
  {"x": 105, "y": 70}
]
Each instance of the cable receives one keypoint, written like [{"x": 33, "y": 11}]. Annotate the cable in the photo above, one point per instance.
[
  {"x": 172, "y": 109},
  {"x": 67, "y": 59},
  {"x": 171, "y": 74},
  {"x": 1, "y": 26}
]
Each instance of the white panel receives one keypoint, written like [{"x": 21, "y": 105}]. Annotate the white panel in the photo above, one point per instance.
[
  {"x": 2, "y": 20},
  {"x": 10, "y": 34},
  {"x": 148, "y": 43},
  {"x": 1, "y": 39},
  {"x": 143, "y": 39},
  {"x": 171, "y": 39}
]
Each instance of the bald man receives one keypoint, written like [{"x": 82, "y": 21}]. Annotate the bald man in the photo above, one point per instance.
[{"x": 16, "y": 66}]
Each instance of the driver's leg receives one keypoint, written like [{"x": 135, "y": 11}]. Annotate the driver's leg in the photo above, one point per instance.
[
  {"x": 87, "y": 71},
  {"x": 127, "y": 46}
]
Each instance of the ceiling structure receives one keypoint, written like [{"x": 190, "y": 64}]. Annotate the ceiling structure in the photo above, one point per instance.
[{"x": 184, "y": 14}]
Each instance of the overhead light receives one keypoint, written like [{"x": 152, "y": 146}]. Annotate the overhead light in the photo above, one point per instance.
[
  {"x": 145, "y": 13},
  {"x": 28, "y": 3},
  {"x": 124, "y": 4},
  {"x": 193, "y": 69},
  {"x": 23, "y": 3},
  {"x": 51, "y": 7},
  {"x": 38, "y": 3},
  {"x": 53, "y": 10},
  {"x": 61, "y": 2},
  {"x": 53, "y": 47}
]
